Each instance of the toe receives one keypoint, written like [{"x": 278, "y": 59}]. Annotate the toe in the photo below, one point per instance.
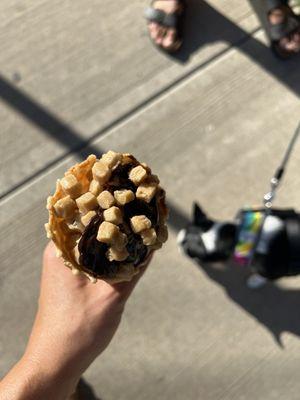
[
  {"x": 296, "y": 38},
  {"x": 291, "y": 44},
  {"x": 287, "y": 45},
  {"x": 160, "y": 36},
  {"x": 169, "y": 39},
  {"x": 153, "y": 30}
]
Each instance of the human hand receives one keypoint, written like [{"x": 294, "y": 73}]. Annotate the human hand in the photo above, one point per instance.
[{"x": 75, "y": 322}]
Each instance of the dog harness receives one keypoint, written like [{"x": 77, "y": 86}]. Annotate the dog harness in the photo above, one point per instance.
[{"x": 257, "y": 225}]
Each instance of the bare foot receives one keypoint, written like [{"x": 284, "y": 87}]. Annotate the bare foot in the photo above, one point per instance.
[
  {"x": 165, "y": 37},
  {"x": 291, "y": 42}
]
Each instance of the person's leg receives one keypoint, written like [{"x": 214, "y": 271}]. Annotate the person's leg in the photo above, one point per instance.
[
  {"x": 164, "y": 31},
  {"x": 284, "y": 28}
]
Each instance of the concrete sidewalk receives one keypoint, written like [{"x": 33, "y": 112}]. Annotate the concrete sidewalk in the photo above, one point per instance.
[{"x": 213, "y": 123}]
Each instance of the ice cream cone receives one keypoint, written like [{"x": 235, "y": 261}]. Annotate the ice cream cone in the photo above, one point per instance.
[{"x": 106, "y": 216}]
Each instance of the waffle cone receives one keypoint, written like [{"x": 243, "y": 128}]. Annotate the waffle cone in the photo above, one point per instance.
[{"x": 66, "y": 239}]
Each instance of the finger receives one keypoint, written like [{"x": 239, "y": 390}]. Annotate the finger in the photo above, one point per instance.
[
  {"x": 51, "y": 263},
  {"x": 54, "y": 268}
]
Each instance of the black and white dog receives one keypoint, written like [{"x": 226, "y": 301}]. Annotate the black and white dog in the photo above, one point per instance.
[{"x": 277, "y": 252}]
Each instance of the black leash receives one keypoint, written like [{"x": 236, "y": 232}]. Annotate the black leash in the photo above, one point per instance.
[{"x": 270, "y": 196}]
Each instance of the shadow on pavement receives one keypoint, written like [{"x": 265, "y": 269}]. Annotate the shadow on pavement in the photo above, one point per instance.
[
  {"x": 274, "y": 307},
  {"x": 50, "y": 125},
  {"x": 64, "y": 134},
  {"x": 206, "y": 25},
  {"x": 84, "y": 392},
  {"x": 177, "y": 219}
]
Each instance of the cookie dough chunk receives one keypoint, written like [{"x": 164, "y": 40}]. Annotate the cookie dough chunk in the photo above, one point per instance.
[
  {"x": 113, "y": 215},
  {"x": 146, "y": 191},
  {"x": 111, "y": 158},
  {"x": 85, "y": 219},
  {"x": 148, "y": 236},
  {"x": 76, "y": 225},
  {"x": 123, "y": 196},
  {"x": 140, "y": 223},
  {"x": 65, "y": 208},
  {"x": 71, "y": 186},
  {"x": 77, "y": 255},
  {"x": 108, "y": 233},
  {"x": 137, "y": 175},
  {"x": 87, "y": 202},
  {"x": 105, "y": 199},
  {"x": 101, "y": 172},
  {"x": 114, "y": 254},
  {"x": 95, "y": 188}
]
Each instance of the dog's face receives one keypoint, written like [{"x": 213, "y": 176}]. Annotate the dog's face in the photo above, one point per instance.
[{"x": 207, "y": 240}]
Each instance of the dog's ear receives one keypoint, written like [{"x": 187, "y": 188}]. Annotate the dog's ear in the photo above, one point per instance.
[{"x": 198, "y": 215}]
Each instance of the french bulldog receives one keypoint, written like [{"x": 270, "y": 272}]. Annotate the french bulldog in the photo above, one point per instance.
[{"x": 277, "y": 250}]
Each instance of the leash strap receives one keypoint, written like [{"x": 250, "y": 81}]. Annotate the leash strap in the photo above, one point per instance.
[{"x": 270, "y": 196}]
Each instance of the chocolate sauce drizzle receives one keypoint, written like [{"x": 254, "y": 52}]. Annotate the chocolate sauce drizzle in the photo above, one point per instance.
[{"x": 92, "y": 252}]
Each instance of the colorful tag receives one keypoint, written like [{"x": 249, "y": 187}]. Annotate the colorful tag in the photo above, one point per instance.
[{"x": 249, "y": 229}]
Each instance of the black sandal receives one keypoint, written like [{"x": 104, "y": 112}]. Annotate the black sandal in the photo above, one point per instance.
[
  {"x": 168, "y": 20},
  {"x": 288, "y": 26}
]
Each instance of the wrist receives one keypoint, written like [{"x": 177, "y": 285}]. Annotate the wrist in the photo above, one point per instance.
[{"x": 29, "y": 380}]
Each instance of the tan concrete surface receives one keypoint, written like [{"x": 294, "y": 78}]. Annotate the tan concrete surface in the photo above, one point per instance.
[
  {"x": 188, "y": 332},
  {"x": 72, "y": 71}
]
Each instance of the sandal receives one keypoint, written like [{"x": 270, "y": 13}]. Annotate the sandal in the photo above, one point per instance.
[
  {"x": 284, "y": 29},
  {"x": 168, "y": 20}
]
